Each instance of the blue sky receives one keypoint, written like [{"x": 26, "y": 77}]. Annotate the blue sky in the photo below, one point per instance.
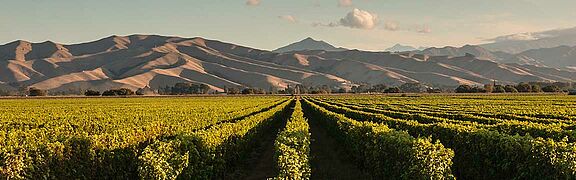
[{"x": 268, "y": 24}]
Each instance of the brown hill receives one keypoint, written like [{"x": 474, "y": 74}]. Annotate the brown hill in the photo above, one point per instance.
[
  {"x": 138, "y": 61},
  {"x": 557, "y": 57},
  {"x": 477, "y": 51}
]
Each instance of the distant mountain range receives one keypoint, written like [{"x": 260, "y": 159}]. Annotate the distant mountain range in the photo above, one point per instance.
[
  {"x": 308, "y": 44},
  {"x": 554, "y": 48},
  {"x": 449, "y": 51},
  {"x": 561, "y": 57},
  {"x": 138, "y": 61},
  {"x": 517, "y": 43},
  {"x": 558, "y": 57},
  {"x": 402, "y": 48}
]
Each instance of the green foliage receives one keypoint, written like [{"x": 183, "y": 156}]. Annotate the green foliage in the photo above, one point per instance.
[
  {"x": 510, "y": 89},
  {"x": 425, "y": 137},
  {"x": 470, "y": 89},
  {"x": 118, "y": 92},
  {"x": 551, "y": 89},
  {"x": 499, "y": 89},
  {"x": 487, "y": 151},
  {"x": 524, "y": 87},
  {"x": 37, "y": 92},
  {"x": 92, "y": 93},
  {"x": 292, "y": 147},
  {"x": 121, "y": 138},
  {"x": 162, "y": 160},
  {"x": 387, "y": 152},
  {"x": 464, "y": 89},
  {"x": 220, "y": 147},
  {"x": 413, "y": 88},
  {"x": 523, "y": 126},
  {"x": 393, "y": 90},
  {"x": 186, "y": 88}
]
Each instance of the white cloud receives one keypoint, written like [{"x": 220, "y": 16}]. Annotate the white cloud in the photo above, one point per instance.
[
  {"x": 253, "y": 2},
  {"x": 516, "y": 37},
  {"x": 359, "y": 19},
  {"x": 392, "y": 26},
  {"x": 345, "y": 3},
  {"x": 288, "y": 18},
  {"x": 535, "y": 35}
]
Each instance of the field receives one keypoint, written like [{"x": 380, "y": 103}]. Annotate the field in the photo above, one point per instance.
[{"x": 309, "y": 137}]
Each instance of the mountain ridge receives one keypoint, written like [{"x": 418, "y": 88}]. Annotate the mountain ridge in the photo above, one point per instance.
[
  {"x": 555, "y": 57},
  {"x": 308, "y": 44},
  {"x": 517, "y": 43},
  {"x": 402, "y": 48},
  {"x": 138, "y": 61}
]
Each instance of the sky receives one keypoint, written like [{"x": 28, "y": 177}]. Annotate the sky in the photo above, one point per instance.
[{"x": 270, "y": 24}]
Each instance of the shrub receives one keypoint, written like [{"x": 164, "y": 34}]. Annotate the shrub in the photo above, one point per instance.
[
  {"x": 551, "y": 88},
  {"x": 510, "y": 89},
  {"x": 524, "y": 87},
  {"x": 392, "y": 90},
  {"x": 499, "y": 89},
  {"x": 464, "y": 89},
  {"x": 37, "y": 92},
  {"x": 118, "y": 92},
  {"x": 92, "y": 93}
]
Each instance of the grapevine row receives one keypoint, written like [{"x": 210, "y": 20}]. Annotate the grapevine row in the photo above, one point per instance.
[
  {"x": 556, "y": 131},
  {"x": 103, "y": 140},
  {"x": 208, "y": 154},
  {"x": 484, "y": 154},
  {"x": 292, "y": 147},
  {"x": 454, "y": 113},
  {"x": 386, "y": 152}
]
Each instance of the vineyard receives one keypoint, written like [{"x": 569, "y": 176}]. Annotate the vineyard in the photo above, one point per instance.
[{"x": 281, "y": 137}]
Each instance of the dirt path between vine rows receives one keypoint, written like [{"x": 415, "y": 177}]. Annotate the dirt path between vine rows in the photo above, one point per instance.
[
  {"x": 264, "y": 165},
  {"x": 329, "y": 159}
]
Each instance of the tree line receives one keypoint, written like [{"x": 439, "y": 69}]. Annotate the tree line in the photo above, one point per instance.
[
  {"x": 523, "y": 87},
  {"x": 360, "y": 88}
]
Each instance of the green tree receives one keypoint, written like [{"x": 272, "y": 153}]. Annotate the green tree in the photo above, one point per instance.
[
  {"x": 92, "y": 93},
  {"x": 378, "y": 88},
  {"x": 464, "y": 89},
  {"x": 248, "y": 91},
  {"x": 551, "y": 88},
  {"x": 118, "y": 92},
  {"x": 37, "y": 92},
  {"x": 392, "y": 90},
  {"x": 524, "y": 87},
  {"x": 413, "y": 88},
  {"x": 536, "y": 88},
  {"x": 233, "y": 90},
  {"x": 477, "y": 89},
  {"x": 510, "y": 89},
  {"x": 499, "y": 89}
]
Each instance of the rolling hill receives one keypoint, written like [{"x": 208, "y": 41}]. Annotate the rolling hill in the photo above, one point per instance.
[
  {"x": 138, "y": 61},
  {"x": 477, "y": 51},
  {"x": 562, "y": 57},
  {"x": 557, "y": 57}
]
